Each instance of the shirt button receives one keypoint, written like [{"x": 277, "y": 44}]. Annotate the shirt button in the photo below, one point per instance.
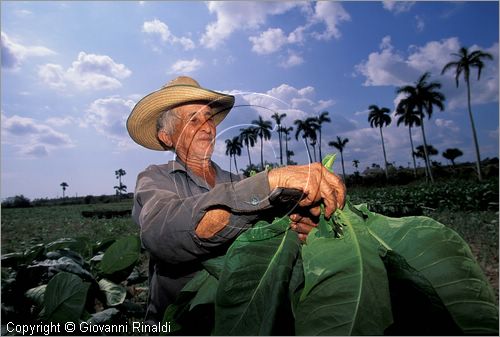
[{"x": 255, "y": 201}]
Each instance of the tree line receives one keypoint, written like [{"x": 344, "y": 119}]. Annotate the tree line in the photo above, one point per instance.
[{"x": 418, "y": 101}]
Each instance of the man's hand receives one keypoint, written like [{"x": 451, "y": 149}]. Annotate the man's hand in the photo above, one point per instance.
[
  {"x": 317, "y": 183},
  {"x": 302, "y": 225}
]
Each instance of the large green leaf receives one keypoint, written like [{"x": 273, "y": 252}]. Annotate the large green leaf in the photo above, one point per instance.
[
  {"x": 346, "y": 290},
  {"x": 416, "y": 307},
  {"x": 65, "y": 298},
  {"x": 443, "y": 258},
  {"x": 252, "y": 297},
  {"x": 115, "y": 293},
  {"x": 36, "y": 294},
  {"x": 122, "y": 254}
]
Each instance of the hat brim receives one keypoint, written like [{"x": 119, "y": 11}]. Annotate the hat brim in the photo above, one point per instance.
[{"x": 141, "y": 124}]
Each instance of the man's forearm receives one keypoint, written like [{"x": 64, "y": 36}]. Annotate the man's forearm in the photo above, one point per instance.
[{"x": 212, "y": 222}]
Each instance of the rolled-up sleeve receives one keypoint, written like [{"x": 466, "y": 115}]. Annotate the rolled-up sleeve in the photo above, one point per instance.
[{"x": 168, "y": 221}]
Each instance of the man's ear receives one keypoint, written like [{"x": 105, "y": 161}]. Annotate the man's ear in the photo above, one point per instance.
[{"x": 165, "y": 138}]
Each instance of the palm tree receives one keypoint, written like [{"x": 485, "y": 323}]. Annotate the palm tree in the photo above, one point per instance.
[
  {"x": 313, "y": 125},
  {"x": 233, "y": 149},
  {"x": 64, "y": 185},
  {"x": 380, "y": 117},
  {"x": 120, "y": 188},
  {"x": 286, "y": 131},
  {"x": 355, "y": 163},
  {"x": 426, "y": 152},
  {"x": 410, "y": 118},
  {"x": 278, "y": 117},
  {"x": 248, "y": 136},
  {"x": 452, "y": 154},
  {"x": 322, "y": 118},
  {"x": 340, "y": 144},
  {"x": 422, "y": 97},
  {"x": 263, "y": 129},
  {"x": 464, "y": 63},
  {"x": 305, "y": 128}
]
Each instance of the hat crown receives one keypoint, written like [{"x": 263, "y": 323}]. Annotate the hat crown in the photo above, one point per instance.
[{"x": 182, "y": 80}]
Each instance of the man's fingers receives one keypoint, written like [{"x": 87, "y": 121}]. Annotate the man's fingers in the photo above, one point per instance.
[
  {"x": 338, "y": 186},
  {"x": 302, "y": 219}
]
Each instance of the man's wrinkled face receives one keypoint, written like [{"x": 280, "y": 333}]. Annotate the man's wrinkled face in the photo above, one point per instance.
[{"x": 194, "y": 135}]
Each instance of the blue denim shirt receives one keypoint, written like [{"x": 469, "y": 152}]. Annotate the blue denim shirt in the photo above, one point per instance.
[{"x": 169, "y": 201}]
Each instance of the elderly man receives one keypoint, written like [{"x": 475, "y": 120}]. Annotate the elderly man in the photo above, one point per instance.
[{"x": 190, "y": 209}]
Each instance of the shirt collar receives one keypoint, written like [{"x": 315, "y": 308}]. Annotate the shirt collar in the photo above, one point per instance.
[{"x": 221, "y": 176}]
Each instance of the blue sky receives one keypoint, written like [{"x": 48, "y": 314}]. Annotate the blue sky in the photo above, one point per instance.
[{"x": 72, "y": 71}]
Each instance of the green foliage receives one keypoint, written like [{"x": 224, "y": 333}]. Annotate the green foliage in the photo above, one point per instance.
[
  {"x": 64, "y": 298},
  {"x": 414, "y": 199},
  {"x": 121, "y": 254},
  {"x": 348, "y": 284},
  {"x": 54, "y": 283}
]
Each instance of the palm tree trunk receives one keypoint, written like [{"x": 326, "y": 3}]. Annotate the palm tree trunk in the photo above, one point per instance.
[
  {"x": 314, "y": 152},
  {"x": 413, "y": 155},
  {"x": 249, "y": 159},
  {"x": 474, "y": 136},
  {"x": 235, "y": 165},
  {"x": 286, "y": 149},
  {"x": 281, "y": 147},
  {"x": 385, "y": 157},
  {"x": 229, "y": 163},
  {"x": 342, "y": 159},
  {"x": 426, "y": 159},
  {"x": 308, "y": 152},
  {"x": 319, "y": 147},
  {"x": 261, "y": 153}
]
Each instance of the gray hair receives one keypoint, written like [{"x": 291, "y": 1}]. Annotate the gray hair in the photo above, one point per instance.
[{"x": 166, "y": 122}]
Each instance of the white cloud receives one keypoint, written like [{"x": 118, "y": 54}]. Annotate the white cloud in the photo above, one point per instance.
[
  {"x": 13, "y": 53},
  {"x": 32, "y": 137},
  {"x": 420, "y": 23},
  {"x": 269, "y": 41},
  {"x": 384, "y": 67},
  {"x": 160, "y": 28},
  {"x": 296, "y": 103},
  {"x": 273, "y": 39},
  {"x": 238, "y": 15},
  {"x": 446, "y": 123},
  {"x": 391, "y": 67},
  {"x": 61, "y": 121},
  {"x": 292, "y": 60},
  {"x": 185, "y": 66},
  {"x": 108, "y": 116},
  {"x": 398, "y": 6},
  {"x": 331, "y": 14},
  {"x": 88, "y": 72}
]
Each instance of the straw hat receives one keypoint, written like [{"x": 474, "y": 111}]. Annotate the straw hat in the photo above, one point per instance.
[{"x": 141, "y": 123}]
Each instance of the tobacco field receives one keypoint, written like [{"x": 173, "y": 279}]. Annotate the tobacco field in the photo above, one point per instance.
[{"x": 45, "y": 249}]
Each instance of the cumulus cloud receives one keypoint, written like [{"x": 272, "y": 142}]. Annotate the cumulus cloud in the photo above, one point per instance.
[
  {"x": 32, "y": 137},
  {"x": 88, "y": 72},
  {"x": 269, "y": 41},
  {"x": 13, "y": 53},
  {"x": 108, "y": 116},
  {"x": 419, "y": 23},
  {"x": 185, "y": 66},
  {"x": 332, "y": 14},
  {"x": 398, "y": 6},
  {"x": 390, "y": 67},
  {"x": 237, "y": 15},
  {"x": 386, "y": 67},
  {"x": 295, "y": 102},
  {"x": 157, "y": 27},
  {"x": 292, "y": 60},
  {"x": 273, "y": 39}
]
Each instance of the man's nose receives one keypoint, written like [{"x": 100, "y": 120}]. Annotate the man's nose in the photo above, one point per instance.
[{"x": 207, "y": 126}]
